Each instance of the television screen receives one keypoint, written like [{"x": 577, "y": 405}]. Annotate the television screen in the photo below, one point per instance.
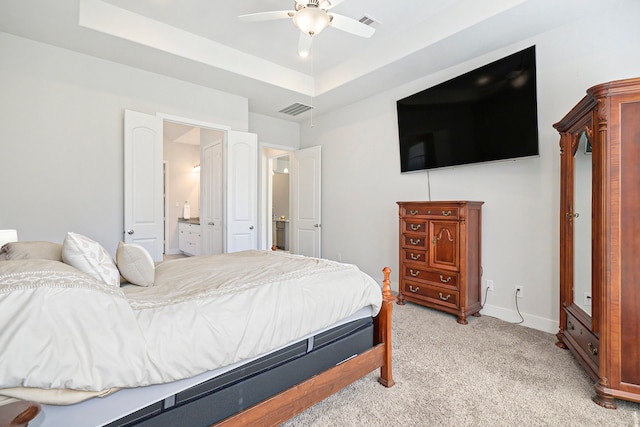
[{"x": 484, "y": 115}]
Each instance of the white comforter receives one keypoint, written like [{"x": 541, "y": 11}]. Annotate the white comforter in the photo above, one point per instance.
[{"x": 61, "y": 329}]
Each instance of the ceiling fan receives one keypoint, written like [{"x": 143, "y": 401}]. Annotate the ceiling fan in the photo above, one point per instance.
[{"x": 311, "y": 17}]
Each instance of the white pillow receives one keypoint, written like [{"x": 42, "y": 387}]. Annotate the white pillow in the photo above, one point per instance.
[
  {"x": 135, "y": 264},
  {"x": 89, "y": 257}
]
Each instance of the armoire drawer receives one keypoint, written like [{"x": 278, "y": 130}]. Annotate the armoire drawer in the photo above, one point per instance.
[
  {"x": 437, "y": 295},
  {"x": 585, "y": 339},
  {"x": 437, "y": 278}
]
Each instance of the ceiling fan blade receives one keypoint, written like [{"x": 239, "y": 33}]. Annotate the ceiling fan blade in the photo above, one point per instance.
[
  {"x": 304, "y": 45},
  {"x": 266, "y": 16},
  {"x": 351, "y": 26}
]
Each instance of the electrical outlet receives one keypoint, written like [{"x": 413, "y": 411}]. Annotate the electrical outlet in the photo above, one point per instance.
[
  {"x": 519, "y": 291},
  {"x": 587, "y": 299},
  {"x": 490, "y": 285}
]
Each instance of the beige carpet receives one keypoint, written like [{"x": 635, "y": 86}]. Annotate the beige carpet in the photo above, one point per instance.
[{"x": 487, "y": 373}]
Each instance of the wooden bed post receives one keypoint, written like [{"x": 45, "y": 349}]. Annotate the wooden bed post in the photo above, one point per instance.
[
  {"x": 383, "y": 329},
  {"x": 19, "y": 413}
]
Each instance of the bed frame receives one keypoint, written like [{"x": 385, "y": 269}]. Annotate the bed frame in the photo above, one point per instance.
[{"x": 275, "y": 410}]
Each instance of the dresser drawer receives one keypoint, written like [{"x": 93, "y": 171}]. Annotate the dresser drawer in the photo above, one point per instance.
[
  {"x": 417, "y": 211},
  {"x": 414, "y": 226},
  {"x": 436, "y": 295},
  {"x": 437, "y": 278},
  {"x": 586, "y": 341},
  {"x": 414, "y": 241},
  {"x": 414, "y": 255}
]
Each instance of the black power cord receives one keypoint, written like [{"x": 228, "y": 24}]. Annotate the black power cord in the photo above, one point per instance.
[
  {"x": 518, "y": 309},
  {"x": 486, "y": 294}
]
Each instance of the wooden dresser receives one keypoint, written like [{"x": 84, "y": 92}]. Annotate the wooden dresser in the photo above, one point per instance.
[
  {"x": 599, "y": 243},
  {"x": 440, "y": 256}
]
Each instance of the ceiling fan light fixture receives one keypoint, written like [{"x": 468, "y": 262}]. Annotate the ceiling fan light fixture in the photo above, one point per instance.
[{"x": 311, "y": 20}]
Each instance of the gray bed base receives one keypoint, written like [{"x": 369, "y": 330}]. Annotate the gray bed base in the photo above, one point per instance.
[{"x": 220, "y": 397}]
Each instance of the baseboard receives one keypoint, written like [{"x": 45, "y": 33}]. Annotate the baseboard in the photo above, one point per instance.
[{"x": 530, "y": 321}]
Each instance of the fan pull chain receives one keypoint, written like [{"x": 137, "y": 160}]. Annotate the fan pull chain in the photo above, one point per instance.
[{"x": 313, "y": 88}]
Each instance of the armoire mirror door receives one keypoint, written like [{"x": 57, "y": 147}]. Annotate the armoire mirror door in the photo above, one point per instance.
[
  {"x": 581, "y": 220},
  {"x": 576, "y": 222}
]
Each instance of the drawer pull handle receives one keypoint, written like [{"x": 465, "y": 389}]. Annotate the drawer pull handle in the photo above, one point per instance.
[
  {"x": 414, "y": 273},
  {"x": 443, "y": 298},
  {"x": 445, "y": 281},
  {"x": 411, "y": 288},
  {"x": 592, "y": 349},
  {"x": 415, "y": 227},
  {"x": 447, "y": 213},
  {"x": 414, "y": 242},
  {"x": 414, "y": 256},
  {"x": 570, "y": 326},
  {"x": 413, "y": 213}
]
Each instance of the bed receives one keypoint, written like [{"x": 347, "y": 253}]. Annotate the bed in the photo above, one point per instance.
[{"x": 249, "y": 338}]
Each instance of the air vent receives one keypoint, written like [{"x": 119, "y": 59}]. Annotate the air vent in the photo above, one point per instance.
[
  {"x": 367, "y": 20},
  {"x": 295, "y": 109}
]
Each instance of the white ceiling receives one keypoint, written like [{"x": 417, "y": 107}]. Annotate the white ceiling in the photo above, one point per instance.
[{"x": 203, "y": 41}]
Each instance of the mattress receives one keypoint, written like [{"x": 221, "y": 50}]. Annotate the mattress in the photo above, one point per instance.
[
  {"x": 203, "y": 313},
  {"x": 133, "y": 406}
]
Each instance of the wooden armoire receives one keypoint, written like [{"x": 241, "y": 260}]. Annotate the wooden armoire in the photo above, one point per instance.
[{"x": 600, "y": 238}]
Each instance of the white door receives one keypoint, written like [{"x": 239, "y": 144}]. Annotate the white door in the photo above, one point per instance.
[
  {"x": 211, "y": 224},
  {"x": 305, "y": 202},
  {"x": 242, "y": 191},
  {"x": 143, "y": 204}
]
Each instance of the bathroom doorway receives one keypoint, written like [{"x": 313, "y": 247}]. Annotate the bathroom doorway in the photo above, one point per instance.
[
  {"x": 275, "y": 198},
  {"x": 301, "y": 227},
  {"x": 280, "y": 202}
]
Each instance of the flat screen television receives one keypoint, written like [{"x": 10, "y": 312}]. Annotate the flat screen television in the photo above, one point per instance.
[{"x": 484, "y": 115}]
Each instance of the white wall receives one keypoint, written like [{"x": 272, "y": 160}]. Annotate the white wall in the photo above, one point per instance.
[
  {"x": 61, "y": 148},
  {"x": 275, "y": 132},
  {"x": 361, "y": 178}
]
